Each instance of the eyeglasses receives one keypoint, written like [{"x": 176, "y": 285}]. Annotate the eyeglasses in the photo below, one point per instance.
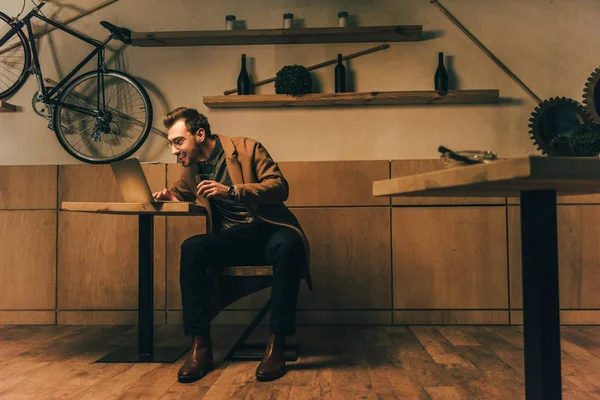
[{"x": 177, "y": 142}]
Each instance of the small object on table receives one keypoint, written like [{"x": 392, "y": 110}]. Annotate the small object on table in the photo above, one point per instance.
[
  {"x": 466, "y": 157},
  {"x": 288, "y": 20},
  {"x": 229, "y": 22},
  {"x": 342, "y": 20}
]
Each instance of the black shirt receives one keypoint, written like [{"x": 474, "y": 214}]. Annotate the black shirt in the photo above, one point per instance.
[{"x": 227, "y": 213}]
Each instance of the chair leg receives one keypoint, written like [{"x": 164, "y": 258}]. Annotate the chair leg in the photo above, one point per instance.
[{"x": 242, "y": 351}]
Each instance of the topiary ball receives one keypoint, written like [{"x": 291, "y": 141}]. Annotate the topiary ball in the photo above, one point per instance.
[
  {"x": 294, "y": 80},
  {"x": 585, "y": 140}
]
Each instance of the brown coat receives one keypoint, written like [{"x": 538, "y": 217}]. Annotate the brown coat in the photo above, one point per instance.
[{"x": 261, "y": 185}]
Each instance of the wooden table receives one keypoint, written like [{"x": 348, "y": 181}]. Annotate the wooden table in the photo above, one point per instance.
[
  {"x": 537, "y": 180},
  {"x": 145, "y": 350}
]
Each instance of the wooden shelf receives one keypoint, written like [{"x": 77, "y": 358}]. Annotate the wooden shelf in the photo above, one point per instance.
[
  {"x": 6, "y": 107},
  {"x": 394, "y": 33},
  {"x": 353, "y": 99}
]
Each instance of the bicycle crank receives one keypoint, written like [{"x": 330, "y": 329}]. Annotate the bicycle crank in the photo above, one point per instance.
[{"x": 41, "y": 108}]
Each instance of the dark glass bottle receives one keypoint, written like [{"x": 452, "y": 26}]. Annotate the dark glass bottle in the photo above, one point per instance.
[
  {"x": 243, "y": 82},
  {"x": 340, "y": 76},
  {"x": 441, "y": 76}
]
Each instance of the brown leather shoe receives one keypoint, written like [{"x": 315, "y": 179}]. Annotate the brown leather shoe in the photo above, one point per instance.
[
  {"x": 272, "y": 365},
  {"x": 198, "y": 362}
]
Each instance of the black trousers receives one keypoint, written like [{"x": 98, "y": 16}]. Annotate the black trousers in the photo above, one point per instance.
[{"x": 246, "y": 244}]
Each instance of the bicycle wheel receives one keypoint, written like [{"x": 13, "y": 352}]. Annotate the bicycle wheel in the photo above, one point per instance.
[
  {"x": 109, "y": 132},
  {"x": 15, "y": 59}
]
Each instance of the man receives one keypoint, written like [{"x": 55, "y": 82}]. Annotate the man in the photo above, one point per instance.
[{"x": 243, "y": 190}]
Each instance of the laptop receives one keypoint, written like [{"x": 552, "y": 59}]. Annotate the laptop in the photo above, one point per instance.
[{"x": 132, "y": 182}]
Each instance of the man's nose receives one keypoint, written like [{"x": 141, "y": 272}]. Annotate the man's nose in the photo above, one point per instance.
[{"x": 174, "y": 150}]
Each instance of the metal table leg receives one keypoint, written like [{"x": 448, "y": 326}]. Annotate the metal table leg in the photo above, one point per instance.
[{"x": 541, "y": 320}]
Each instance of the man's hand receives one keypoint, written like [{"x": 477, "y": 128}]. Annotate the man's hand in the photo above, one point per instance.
[
  {"x": 164, "y": 195},
  {"x": 211, "y": 189}
]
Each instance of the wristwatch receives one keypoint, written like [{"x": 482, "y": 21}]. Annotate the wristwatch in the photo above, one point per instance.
[{"x": 231, "y": 193}]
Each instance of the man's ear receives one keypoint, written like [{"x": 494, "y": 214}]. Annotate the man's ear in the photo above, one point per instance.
[{"x": 201, "y": 133}]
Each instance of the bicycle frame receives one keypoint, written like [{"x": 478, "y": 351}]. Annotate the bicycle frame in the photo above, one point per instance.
[{"x": 46, "y": 94}]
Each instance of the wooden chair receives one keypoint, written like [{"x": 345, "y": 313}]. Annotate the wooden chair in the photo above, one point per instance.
[{"x": 234, "y": 283}]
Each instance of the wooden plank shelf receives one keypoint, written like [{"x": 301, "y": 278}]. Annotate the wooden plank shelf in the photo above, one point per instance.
[
  {"x": 394, "y": 33},
  {"x": 6, "y": 107},
  {"x": 353, "y": 99}
]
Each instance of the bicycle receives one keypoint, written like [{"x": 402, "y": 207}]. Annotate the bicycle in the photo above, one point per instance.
[{"x": 99, "y": 116}]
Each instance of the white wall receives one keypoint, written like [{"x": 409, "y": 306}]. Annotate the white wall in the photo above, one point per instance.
[{"x": 551, "y": 45}]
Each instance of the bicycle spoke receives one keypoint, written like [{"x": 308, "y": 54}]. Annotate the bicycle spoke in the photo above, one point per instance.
[
  {"x": 109, "y": 146},
  {"x": 11, "y": 71},
  {"x": 114, "y": 138},
  {"x": 1, "y": 80},
  {"x": 76, "y": 122},
  {"x": 85, "y": 118},
  {"x": 116, "y": 93},
  {"x": 82, "y": 137}
]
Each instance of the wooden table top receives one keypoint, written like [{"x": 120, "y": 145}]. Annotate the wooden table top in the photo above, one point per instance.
[
  {"x": 565, "y": 175},
  {"x": 170, "y": 208}
]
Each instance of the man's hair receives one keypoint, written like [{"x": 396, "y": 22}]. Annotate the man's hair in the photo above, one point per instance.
[{"x": 193, "y": 120}]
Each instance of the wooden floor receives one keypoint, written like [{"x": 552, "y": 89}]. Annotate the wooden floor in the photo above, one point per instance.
[{"x": 421, "y": 362}]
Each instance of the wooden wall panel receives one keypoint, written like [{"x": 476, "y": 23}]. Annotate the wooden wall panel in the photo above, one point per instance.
[
  {"x": 97, "y": 182},
  {"x": 579, "y": 199},
  {"x": 410, "y": 167},
  {"x": 513, "y": 220},
  {"x": 28, "y": 254},
  {"x": 350, "y": 258},
  {"x": 160, "y": 262},
  {"x": 28, "y": 187},
  {"x": 516, "y": 317},
  {"x": 334, "y": 183},
  {"x": 573, "y": 199},
  {"x": 567, "y": 317},
  {"x": 449, "y": 257},
  {"x": 97, "y": 261},
  {"x": 578, "y": 256},
  {"x": 448, "y": 265},
  {"x": 174, "y": 171},
  {"x": 27, "y": 317}
]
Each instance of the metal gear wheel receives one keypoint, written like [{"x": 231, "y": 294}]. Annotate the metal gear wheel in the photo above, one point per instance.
[
  {"x": 42, "y": 109},
  {"x": 553, "y": 117},
  {"x": 591, "y": 95}
]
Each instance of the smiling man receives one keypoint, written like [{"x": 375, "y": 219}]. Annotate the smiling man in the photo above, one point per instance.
[{"x": 243, "y": 190}]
